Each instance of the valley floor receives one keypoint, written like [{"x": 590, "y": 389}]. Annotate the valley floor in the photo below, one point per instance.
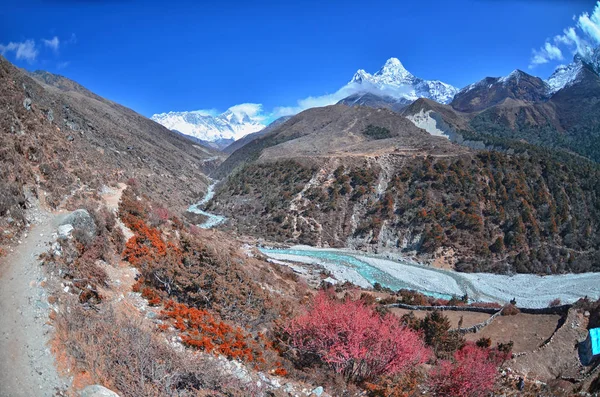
[{"x": 364, "y": 270}]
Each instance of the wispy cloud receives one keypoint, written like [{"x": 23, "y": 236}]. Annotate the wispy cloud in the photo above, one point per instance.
[
  {"x": 344, "y": 92},
  {"x": 25, "y": 50},
  {"x": 591, "y": 24},
  {"x": 253, "y": 110},
  {"x": 545, "y": 54},
  {"x": 575, "y": 39},
  {"x": 53, "y": 43},
  {"x": 207, "y": 112}
]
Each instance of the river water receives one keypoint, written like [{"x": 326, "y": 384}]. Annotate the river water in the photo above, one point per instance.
[
  {"x": 529, "y": 290},
  {"x": 212, "y": 219},
  {"x": 365, "y": 270}
]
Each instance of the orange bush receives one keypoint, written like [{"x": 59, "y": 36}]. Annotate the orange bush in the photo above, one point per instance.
[
  {"x": 152, "y": 297},
  {"x": 200, "y": 329},
  {"x": 137, "y": 286}
]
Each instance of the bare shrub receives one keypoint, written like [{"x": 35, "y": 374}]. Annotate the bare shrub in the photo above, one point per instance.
[
  {"x": 120, "y": 352},
  {"x": 555, "y": 303},
  {"x": 510, "y": 310}
]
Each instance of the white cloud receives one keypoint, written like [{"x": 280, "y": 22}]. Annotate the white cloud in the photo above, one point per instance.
[
  {"x": 53, "y": 43},
  {"x": 591, "y": 25},
  {"x": 576, "y": 39},
  {"x": 312, "y": 102},
  {"x": 253, "y": 110},
  {"x": 344, "y": 92},
  {"x": 545, "y": 54},
  {"x": 207, "y": 112},
  {"x": 23, "y": 50}
]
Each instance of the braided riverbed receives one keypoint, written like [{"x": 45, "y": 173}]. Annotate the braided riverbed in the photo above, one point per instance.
[{"x": 364, "y": 270}]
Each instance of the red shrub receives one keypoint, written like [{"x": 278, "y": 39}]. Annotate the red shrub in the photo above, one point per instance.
[
  {"x": 151, "y": 295},
  {"x": 472, "y": 373},
  {"x": 354, "y": 340},
  {"x": 200, "y": 329},
  {"x": 162, "y": 213}
]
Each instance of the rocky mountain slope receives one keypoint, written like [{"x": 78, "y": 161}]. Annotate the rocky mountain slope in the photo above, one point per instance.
[
  {"x": 337, "y": 130},
  {"x": 562, "y": 113},
  {"x": 59, "y": 138},
  {"x": 376, "y": 101},
  {"x": 222, "y": 129},
  {"x": 490, "y": 91},
  {"x": 232, "y": 147},
  {"x": 370, "y": 179}
]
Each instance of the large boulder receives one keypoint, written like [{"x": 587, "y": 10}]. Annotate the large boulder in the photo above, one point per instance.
[
  {"x": 81, "y": 220},
  {"x": 97, "y": 391}
]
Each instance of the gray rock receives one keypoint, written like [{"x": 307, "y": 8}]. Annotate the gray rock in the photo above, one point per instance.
[
  {"x": 70, "y": 138},
  {"x": 56, "y": 249},
  {"x": 97, "y": 391},
  {"x": 318, "y": 391},
  {"x": 81, "y": 220},
  {"x": 50, "y": 115},
  {"x": 27, "y": 103},
  {"x": 64, "y": 231},
  {"x": 72, "y": 125}
]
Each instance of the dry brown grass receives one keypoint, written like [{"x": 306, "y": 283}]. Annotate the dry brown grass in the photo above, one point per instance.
[{"x": 122, "y": 353}]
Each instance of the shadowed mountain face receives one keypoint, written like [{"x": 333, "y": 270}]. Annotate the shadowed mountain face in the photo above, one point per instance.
[
  {"x": 491, "y": 91},
  {"x": 374, "y": 101},
  {"x": 58, "y": 138},
  {"x": 232, "y": 147},
  {"x": 562, "y": 113}
]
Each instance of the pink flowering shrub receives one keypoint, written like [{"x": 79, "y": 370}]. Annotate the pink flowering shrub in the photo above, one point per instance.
[
  {"x": 354, "y": 340},
  {"x": 472, "y": 373}
]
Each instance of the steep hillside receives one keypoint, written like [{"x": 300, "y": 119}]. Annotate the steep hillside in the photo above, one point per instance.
[
  {"x": 59, "y": 138},
  {"x": 337, "y": 130},
  {"x": 375, "y": 101},
  {"x": 319, "y": 179},
  {"x": 490, "y": 91},
  {"x": 562, "y": 113},
  {"x": 232, "y": 147}
]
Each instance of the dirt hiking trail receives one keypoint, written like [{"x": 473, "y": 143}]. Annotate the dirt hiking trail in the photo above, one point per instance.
[{"x": 26, "y": 362}]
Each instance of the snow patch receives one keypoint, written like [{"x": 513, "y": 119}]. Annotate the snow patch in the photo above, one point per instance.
[
  {"x": 424, "y": 120},
  {"x": 564, "y": 76}
]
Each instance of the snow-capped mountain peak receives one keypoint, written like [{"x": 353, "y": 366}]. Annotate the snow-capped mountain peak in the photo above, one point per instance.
[
  {"x": 567, "y": 75},
  {"x": 360, "y": 76},
  {"x": 393, "y": 80},
  {"x": 231, "y": 124},
  {"x": 564, "y": 76},
  {"x": 514, "y": 75},
  {"x": 394, "y": 71}
]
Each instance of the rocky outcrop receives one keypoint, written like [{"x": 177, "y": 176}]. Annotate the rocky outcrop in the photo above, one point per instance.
[
  {"x": 97, "y": 391},
  {"x": 81, "y": 220}
]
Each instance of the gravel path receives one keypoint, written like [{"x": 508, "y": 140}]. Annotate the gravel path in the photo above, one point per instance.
[{"x": 26, "y": 363}]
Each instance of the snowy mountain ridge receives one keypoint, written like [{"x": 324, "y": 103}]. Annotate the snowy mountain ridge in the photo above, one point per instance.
[
  {"x": 567, "y": 75},
  {"x": 395, "y": 81},
  {"x": 231, "y": 124}
]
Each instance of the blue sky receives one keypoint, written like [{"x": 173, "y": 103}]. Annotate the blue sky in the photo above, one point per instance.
[{"x": 161, "y": 56}]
